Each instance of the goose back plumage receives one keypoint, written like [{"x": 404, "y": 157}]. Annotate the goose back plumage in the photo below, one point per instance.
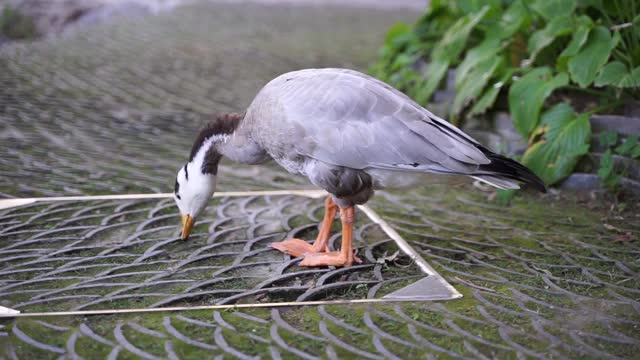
[{"x": 347, "y": 119}]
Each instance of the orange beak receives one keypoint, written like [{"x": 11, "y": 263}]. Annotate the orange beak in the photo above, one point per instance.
[{"x": 187, "y": 224}]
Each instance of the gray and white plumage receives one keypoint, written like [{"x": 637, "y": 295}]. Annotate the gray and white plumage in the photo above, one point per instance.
[{"x": 351, "y": 134}]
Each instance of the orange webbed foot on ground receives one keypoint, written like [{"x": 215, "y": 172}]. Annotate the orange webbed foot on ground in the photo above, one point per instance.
[
  {"x": 298, "y": 247},
  {"x": 333, "y": 258},
  {"x": 345, "y": 256},
  {"x": 294, "y": 247},
  {"x": 318, "y": 254}
]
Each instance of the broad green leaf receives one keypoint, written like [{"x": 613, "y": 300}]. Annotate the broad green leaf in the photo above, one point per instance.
[
  {"x": 631, "y": 80},
  {"x": 565, "y": 141},
  {"x": 584, "y": 66},
  {"x": 434, "y": 8},
  {"x": 397, "y": 30},
  {"x": 453, "y": 41},
  {"x": 550, "y": 9},
  {"x": 568, "y": 131},
  {"x": 577, "y": 41},
  {"x": 584, "y": 20},
  {"x": 402, "y": 61},
  {"x": 558, "y": 26},
  {"x": 433, "y": 21},
  {"x": 611, "y": 74},
  {"x": 404, "y": 79},
  {"x": 474, "y": 83},
  {"x": 486, "y": 49},
  {"x": 436, "y": 4},
  {"x": 536, "y": 159},
  {"x": 560, "y": 113},
  {"x": 515, "y": 17},
  {"x": 493, "y": 42},
  {"x": 446, "y": 51},
  {"x": 473, "y": 6},
  {"x": 486, "y": 101},
  {"x": 527, "y": 95},
  {"x": 489, "y": 97},
  {"x": 628, "y": 145},
  {"x": 615, "y": 74},
  {"x": 434, "y": 74},
  {"x": 606, "y": 165},
  {"x": 608, "y": 138},
  {"x": 548, "y": 165}
]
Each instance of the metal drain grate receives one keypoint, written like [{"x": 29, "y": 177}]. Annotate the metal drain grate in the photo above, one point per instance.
[{"x": 109, "y": 253}]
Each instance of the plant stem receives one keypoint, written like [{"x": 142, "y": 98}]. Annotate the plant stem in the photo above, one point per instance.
[
  {"x": 620, "y": 26},
  {"x": 604, "y": 107},
  {"x": 623, "y": 56},
  {"x": 589, "y": 91}
]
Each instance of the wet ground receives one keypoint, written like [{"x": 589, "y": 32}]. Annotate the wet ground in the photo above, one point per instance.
[{"x": 112, "y": 109}]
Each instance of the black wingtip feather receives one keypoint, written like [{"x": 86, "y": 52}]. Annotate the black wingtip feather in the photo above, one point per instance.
[{"x": 505, "y": 167}]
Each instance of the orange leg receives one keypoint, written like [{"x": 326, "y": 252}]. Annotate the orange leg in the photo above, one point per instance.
[
  {"x": 299, "y": 247},
  {"x": 345, "y": 256}
]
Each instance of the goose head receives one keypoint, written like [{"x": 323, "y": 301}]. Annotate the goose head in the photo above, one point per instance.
[
  {"x": 196, "y": 180},
  {"x": 193, "y": 189}
]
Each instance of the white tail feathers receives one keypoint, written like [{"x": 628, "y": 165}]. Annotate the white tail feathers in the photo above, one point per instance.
[{"x": 500, "y": 183}]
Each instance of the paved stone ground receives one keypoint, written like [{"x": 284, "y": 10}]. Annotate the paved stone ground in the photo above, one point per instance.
[
  {"x": 112, "y": 109},
  {"x": 112, "y": 254}
]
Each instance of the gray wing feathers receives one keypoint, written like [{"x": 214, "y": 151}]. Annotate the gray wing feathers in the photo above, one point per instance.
[{"x": 352, "y": 120}]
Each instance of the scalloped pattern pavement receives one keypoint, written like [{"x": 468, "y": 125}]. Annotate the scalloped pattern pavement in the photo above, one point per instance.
[
  {"x": 127, "y": 254},
  {"x": 537, "y": 283}
]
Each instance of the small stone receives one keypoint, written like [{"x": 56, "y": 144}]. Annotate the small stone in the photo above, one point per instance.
[
  {"x": 581, "y": 181},
  {"x": 623, "y": 125}
]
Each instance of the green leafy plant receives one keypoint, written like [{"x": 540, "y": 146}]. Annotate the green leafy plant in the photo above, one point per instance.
[
  {"x": 629, "y": 147},
  {"x": 555, "y": 62}
]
